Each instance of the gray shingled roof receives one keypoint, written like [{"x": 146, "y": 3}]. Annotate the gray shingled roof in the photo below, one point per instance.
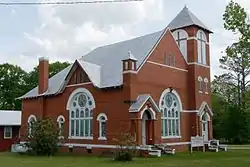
[
  {"x": 104, "y": 64},
  {"x": 140, "y": 101},
  {"x": 186, "y": 18},
  {"x": 110, "y": 57}
]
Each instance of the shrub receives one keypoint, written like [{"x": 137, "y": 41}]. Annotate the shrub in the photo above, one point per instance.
[
  {"x": 126, "y": 147},
  {"x": 44, "y": 137}
]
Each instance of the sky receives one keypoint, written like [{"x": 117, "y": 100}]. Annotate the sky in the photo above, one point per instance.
[{"x": 65, "y": 33}]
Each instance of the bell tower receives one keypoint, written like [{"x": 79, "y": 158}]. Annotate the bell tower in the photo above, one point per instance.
[{"x": 192, "y": 37}]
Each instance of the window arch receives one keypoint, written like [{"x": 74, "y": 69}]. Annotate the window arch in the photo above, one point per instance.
[
  {"x": 206, "y": 85},
  {"x": 60, "y": 121},
  {"x": 80, "y": 105},
  {"x": 102, "y": 118},
  {"x": 170, "y": 106},
  {"x": 180, "y": 37},
  {"x": 31, "y": 120},
  {"x": 200, "y": 80},
  {"x": 201, "y": 47}
]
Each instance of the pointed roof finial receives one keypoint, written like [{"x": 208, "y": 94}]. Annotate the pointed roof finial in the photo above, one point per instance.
[
  {"x": 185, "y": 6},
  {"x": 131, "y": 56}
]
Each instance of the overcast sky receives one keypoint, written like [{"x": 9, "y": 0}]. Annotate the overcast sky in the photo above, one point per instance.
[{"x": 65, "y": 33}]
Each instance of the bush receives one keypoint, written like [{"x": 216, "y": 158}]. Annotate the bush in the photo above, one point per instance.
[
  {"x": 126, "y": 147},
  {"x": 44, "y": 137},
  {"x": 123, "y": 156}
]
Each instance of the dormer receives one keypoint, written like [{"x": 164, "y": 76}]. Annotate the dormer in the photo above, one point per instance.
[{"x": 129, "y": 63}]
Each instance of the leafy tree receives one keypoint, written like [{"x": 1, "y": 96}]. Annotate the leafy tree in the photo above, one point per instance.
[
  {"x": 236, "y": 126},
  {"x": 44, "y": 137},
  {"x": 237, "y": 58},
  {"x": 12, "y": 85}
]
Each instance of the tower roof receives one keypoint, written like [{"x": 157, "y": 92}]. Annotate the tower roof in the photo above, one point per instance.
[
  {"x": 186, "y": 18},
  {"x": 130, "y": 56}
]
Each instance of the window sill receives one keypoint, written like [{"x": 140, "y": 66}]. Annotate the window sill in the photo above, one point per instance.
[
  {"x": 200, "y": 91},
  {"x": 102, "y": 138},
  {"x": 171, "y": 137},
  {"x": 78, "y": 137},
  {"x": 7, "y": 137},
  {"x": 206, "y": 93}
]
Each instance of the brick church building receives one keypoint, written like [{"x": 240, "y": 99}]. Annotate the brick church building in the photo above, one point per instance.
[{"x": 156, "y": 87}]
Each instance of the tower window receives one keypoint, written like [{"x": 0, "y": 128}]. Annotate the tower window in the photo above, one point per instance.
[
  {"x": 126, "y": 65},
  {"x": 200, "y": 84},
  {"x": 180, "y": 37},
  {"x": 201, "y": 42},
  {"x": 206, "y": 85}
]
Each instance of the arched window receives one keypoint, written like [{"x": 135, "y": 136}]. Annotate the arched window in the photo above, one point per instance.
[
  {"x": 102, "y": 118},
  {"x": 201, "y": 42},
  {"x": 31, "y": 120},
  {"x": 80, "y": 105},
  {"x": 170, "y": 106},
  {"x": 180, "y": 37},
  {"x": 60, "y": 121},
  {"x": 200, "y": 80},
  {"x": 206, "y": 85}
]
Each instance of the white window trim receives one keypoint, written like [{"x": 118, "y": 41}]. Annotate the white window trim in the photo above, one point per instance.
[
  {"x": 204, "y": 62},
  {"x": 126, "y": 65},
  {"x": 206, "y": 85},
  {"x": 181, "y": 39},
  {"x": 29, "y": 119},
  {"x": 69, "y": 104},
  {"x": 59, "y": 125},
  {"x": 200, "y": 80},
  {"x": 8, "y": 137},
  {"x": 180, "y": 105},
  {"x": 100, "y": 128}
]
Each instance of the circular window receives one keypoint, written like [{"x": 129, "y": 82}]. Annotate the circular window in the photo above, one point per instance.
[
  {"x": 82, "y": 100},
  {"x": 168, "y": 100}
]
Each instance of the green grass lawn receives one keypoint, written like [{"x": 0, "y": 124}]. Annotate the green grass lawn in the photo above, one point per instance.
[{"x": 240, "y": 158}]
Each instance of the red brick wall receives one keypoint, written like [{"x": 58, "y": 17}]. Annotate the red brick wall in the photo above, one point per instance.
[
  {"x": 5, "y": 144},
  {"x": 151, "y": 78}
]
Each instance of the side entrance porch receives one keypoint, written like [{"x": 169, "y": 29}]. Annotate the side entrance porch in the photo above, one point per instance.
[{"x": 145, "y": 118}]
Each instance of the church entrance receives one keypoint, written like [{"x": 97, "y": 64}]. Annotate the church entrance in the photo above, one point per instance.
[{"x": 147, "y": 127}]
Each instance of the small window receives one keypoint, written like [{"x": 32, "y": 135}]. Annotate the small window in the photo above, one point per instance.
[
  {"x": 133, "y": 65},
  {"x": 126, "y": 65},
  {"x": 206, "y": 85},
  {"x": 200, "y": 84},
  {"x": 7, "y": 132},
  {"x": 173, "y": 60},
  {"x": 102, "y": 118},
  {"x": 60, "y": 121},
  {"x": 31, "y": 121}
]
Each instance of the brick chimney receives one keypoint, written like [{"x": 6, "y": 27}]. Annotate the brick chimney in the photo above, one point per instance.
[{"x": 43, "y": 75}]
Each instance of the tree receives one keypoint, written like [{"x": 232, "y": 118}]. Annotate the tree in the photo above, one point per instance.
[
  {"x": 44, "y": 137},
  {"x": 12, "y": 85},
  {"x": 54, "y": 68},
  {"x": 237, "y": 58}
]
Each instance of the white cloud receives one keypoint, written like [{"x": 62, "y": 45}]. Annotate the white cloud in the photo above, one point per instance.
[{"x": 68, "y": 32}]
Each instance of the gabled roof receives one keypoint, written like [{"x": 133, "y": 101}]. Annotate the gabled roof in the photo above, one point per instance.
[
  {"x": 55, "y": 84},
  {"x": 140, "y": 101},
  {"x": 109, "y": 57},
  {"x": 103, "y": 65},
  {"x": 186, "y": 18},
  {"x": 10, "y": 118}
]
